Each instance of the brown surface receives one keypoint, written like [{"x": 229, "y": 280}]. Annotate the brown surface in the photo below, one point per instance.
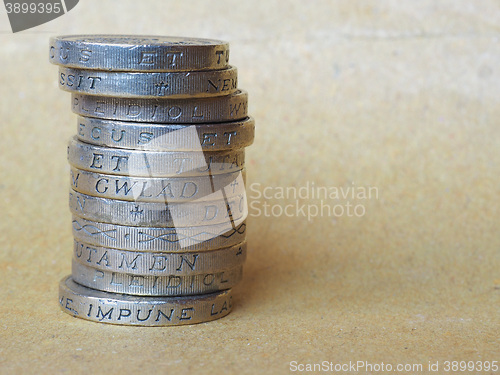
[{"x": 397, "y": 96}]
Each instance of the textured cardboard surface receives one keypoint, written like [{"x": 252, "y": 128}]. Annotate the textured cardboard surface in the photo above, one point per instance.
[{"x": 399, "y": 96}]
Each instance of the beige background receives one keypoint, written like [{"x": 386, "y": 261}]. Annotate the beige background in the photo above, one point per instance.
[{"x": 399, "y": 95}]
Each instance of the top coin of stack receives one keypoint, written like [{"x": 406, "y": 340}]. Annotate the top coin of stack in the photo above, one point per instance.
[
  {"x": 137, "y": 53},
  {"x": 157, "y": 178}
]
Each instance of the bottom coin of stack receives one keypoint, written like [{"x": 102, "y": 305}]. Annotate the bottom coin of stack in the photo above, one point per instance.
[{"x": 100, "y": 306}]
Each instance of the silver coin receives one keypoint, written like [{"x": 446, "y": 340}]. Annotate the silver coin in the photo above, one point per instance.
[
  {"x": 179, "y": 239},
  {"x": 138, "y": 163},
  {"x": 157, "y": 189},
  {"x": 159, "y": 263},
  {"x": 166, "y": 137},
  {"x": 138, "y": 53},
  {"x": 195, "y": 110},
  {"x": 149, "y": 285},
  {"x": 97, "y": 306},
  {"x": 210, "y": 83},
  {"x": 158, "y": 215}
]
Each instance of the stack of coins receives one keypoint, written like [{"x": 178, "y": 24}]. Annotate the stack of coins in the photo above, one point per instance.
[{"x": 157, "y": 178}]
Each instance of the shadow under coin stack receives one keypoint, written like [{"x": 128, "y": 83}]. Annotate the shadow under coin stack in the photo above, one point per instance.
[{"x": 157, "y": 178}]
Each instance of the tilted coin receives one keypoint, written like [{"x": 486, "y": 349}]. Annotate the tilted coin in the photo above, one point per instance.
[
  {"x": 166, "y": 137},
  {"x": 158, "y": 189},
  {"x": 138, "y": 163},
  {"x": 179, "y": 239},
  {"x": 138, "y": 52},
  {"x": 104, "y": 307},
  {"x": 197, "y": 84},
  {"x": 175, "y": 214},
  {"x": 159, "y": 263},
  {"x": 149, "y": 285},
  {"x": 195, "y": 110}
]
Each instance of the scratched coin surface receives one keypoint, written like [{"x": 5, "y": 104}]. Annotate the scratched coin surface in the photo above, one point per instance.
[
  {"x": 139, "y": 163},
  {"x": 163, "y": 110},
  {"x": 158, "y": 215},
  {"x": 159, "y": 263},
  {"x": 145, "y": 53},
  {"x": 158, "y": 189},
  {"x": 154, "y": 285},
  {"x": 179, "y": 239},
  {"x": 105, "y": 307},
  {"x": 178, "y": 85},
  {"x": 166, "y": 137}
]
